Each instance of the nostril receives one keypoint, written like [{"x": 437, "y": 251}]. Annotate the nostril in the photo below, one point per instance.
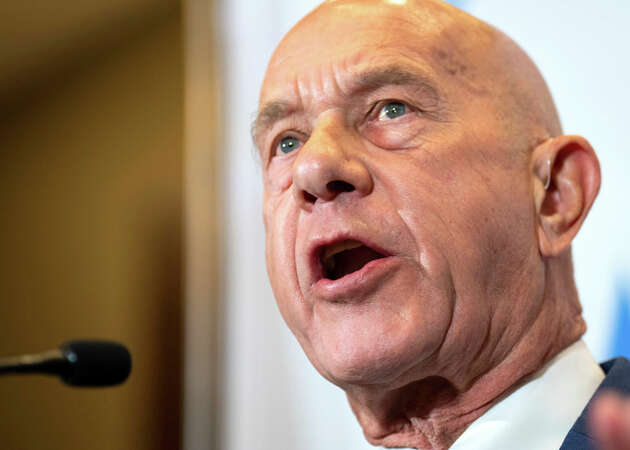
[
  {"x": 339, "y": 186},
  {"x": 333, "y": 188},
  {"x": 308, "y": 198}
]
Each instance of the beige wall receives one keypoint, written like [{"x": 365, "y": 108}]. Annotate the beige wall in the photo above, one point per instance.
[{"x": 90, "y": 244}]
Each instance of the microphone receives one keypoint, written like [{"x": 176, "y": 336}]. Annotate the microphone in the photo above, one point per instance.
[{"x": 77, "y": 363}]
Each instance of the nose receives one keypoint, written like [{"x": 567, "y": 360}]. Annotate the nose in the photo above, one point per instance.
[{"x": 328, "y": 165}]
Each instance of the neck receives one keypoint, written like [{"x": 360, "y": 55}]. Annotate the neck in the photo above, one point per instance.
[{"x": 433, "y": 411}]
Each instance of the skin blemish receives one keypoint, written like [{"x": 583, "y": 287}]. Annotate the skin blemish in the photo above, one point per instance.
[{"x": 449, "y": 63}]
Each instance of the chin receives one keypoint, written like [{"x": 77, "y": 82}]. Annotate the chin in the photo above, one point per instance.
[
  {"x": 367, "y": 372},
  {"x": 379, "y": 361}
]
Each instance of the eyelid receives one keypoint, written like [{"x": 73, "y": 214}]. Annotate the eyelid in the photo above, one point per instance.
[{"x": 374, "y": 112}]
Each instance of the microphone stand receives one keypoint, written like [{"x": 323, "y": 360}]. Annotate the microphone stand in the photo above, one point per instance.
[{"x": 50, "y": 362}]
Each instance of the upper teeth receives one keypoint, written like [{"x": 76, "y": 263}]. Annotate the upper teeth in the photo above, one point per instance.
[{"x": 339, "y": 247}]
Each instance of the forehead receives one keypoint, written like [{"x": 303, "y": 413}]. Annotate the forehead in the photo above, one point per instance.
[{"x": 342, "y": 38}]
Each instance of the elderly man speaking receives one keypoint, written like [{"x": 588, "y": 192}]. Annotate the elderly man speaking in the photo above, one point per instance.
[{"x": 420, "y": 201}]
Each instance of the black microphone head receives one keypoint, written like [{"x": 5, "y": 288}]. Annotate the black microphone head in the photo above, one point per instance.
[{"x": 95, "y": 363}]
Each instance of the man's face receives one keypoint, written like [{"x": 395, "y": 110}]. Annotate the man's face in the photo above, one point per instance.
[{"x": 395, "y": 205}]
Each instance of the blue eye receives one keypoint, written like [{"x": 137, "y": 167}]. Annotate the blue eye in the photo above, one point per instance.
[
  {"x": 392, "y": 110},
  {"x": 289, "y": 144}
]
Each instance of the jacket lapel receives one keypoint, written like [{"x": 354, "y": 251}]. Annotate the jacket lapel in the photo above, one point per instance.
[{"x": 617, "y": 378}]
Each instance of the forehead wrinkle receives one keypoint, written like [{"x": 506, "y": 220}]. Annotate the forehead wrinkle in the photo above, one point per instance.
[
  {"x": 319, "y": 88},
  {"x": 306, "y": 90},
  {"x": 391, "y": 75}
]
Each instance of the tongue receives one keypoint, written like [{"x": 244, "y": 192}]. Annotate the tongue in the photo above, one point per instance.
[{"x": 352, "y": 260}]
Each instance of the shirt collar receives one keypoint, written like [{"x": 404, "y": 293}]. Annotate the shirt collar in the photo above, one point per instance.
[{"x": 540, "y": 413}]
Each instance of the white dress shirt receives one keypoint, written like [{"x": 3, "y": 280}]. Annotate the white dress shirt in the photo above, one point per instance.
[{"x": 539, "y": 414}]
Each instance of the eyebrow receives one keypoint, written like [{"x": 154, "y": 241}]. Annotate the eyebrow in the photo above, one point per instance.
[
  {"x": 269, "y": 114},
  {"x": 365, "y": 81}
]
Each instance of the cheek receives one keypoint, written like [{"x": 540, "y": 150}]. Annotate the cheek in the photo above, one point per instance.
[
  {"x": 461, "y": 224},
  {"x": 281, "y": 228},
  {"x": 279, "y": 175}
]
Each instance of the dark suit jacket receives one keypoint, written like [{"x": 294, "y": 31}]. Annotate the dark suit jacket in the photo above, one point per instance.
[{"x": 618, "y": 379}]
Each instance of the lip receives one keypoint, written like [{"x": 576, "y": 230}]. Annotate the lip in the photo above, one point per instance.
[
  {"x": 350, "y": 287},
  {"x": 353, "y": 287}
]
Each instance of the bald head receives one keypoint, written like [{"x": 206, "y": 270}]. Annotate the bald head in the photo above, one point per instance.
[{"x": 456, "y": 46}]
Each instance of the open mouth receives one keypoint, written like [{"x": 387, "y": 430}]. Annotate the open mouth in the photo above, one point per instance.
[{"x": 345, "y": 257}]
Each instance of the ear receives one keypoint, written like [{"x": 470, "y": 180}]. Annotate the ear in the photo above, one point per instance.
[{"x": 570, "y": 169}]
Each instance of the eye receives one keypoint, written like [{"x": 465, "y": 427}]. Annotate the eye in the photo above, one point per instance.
[
  {"x": 288, "y": 144},
  {"x": 392, "y": 110}
]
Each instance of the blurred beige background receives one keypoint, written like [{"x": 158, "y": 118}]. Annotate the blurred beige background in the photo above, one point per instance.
[{"x": 92, "y": 215}]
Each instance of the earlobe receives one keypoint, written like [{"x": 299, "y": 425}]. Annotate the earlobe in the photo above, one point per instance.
[{"x": 566, "y": 181}]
